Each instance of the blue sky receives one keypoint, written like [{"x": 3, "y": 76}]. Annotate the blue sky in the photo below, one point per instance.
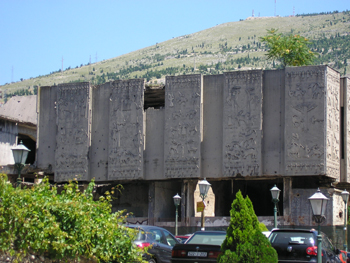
[{"x": 36, "y": 34}]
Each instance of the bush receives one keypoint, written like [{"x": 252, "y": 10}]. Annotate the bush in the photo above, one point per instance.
[
  {"x": 69, "y": 225},
  {"x": 244, "y": 240}
]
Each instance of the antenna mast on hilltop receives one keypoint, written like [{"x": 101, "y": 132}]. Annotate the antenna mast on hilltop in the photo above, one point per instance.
[
  {"x": 293, "y": 10},
  {"x": 96, "y": 58},
  {"x": 253, "y": 13},
  {"x": 275, "y": 7}
]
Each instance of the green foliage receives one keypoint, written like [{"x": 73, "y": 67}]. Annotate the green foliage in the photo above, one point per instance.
[
  {"x": 262, "y": 227},
  {"x": 291, "y": 50},
  {"x": 244, "y": 240},
  {"x": 69, "y": 225}
]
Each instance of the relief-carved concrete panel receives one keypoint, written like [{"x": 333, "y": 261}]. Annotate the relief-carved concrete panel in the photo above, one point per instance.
[
  {"x": 126, "y": 140},
  {"x": 312, "y": 108},
  {"x": 73, "y": 132},
  {"x": 183, "y": 126},
  {"x": 346, "y": 83},
  {"x": 333, "y": 124},
  {"x": 242, "y": 120}
]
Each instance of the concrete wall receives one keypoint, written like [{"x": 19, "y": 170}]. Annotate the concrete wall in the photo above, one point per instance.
[
  {"x": 73, "y": 132},
  {"x": 345, "y": 103},
  {"x": 154, "y": 151},
  {"x": 8, "y": 139},
  {"x": 213, "y": 87},
  {"x": 242, "y": 123},
  {"x": 273, "y": 122},
  {"x": 302, "y": 212},
  {"x": 47, "y": 128},
  {"x": 274, "y": 125},
  {"x": 183, "y": 126}
]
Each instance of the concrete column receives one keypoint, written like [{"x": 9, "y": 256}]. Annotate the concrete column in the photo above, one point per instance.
[
  {"x": 187, "y": 202},
  {"x": 151, "y": 203},
  {"x": 287, "y": 201}
]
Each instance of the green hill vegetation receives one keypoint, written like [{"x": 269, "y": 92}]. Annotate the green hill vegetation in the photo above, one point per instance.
[{"x": 225, "y": 47}]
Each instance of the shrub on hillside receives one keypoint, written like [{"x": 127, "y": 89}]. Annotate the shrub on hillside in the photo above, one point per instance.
[
  {"x": 244, "y": 240},
  {"x": 69, "y": 225}
]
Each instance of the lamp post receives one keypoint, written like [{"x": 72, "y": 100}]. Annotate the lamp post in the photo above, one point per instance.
[
  {"x": 20, "y": 153},
  {"x": 177, "y": 200},
  {"x": 203, "y": 190},
  {"x": 275, "y": 192},
  {"x": 345, "y": 196},
  {"x": 318, "y": 204}
]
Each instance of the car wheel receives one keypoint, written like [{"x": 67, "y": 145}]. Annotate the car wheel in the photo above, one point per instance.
[{"x": 152, "y": 260}]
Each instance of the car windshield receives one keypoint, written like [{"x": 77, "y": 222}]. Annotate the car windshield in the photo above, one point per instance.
[
  {"x": 207, "y": 238},
  {"x": 300, "y": 238},
  {"x": 150, "y": 234}
]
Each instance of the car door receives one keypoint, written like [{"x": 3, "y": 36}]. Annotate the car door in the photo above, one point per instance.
[
  {"x": 329, "y": 249},
  {"x": 166, "y": 244}
]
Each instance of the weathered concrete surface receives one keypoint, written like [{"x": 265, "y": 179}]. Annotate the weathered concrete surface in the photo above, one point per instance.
[
  {"x": 154, "y": 150},
  {"x": 126, "y": 134},
  {"x": 73, "y": 132},
  {"x": 213, "y": 88},
  {"x": 302, "y": 212},
  {"x": 20, "y": 109},
  {"x": 345, "y": 103},
  {"x": 312, "y": 130},
  {"x": 18, "y": 115},
  {"x": 8, "y": 139},
  {"x": 242, "y": 120},
  {"x": 243, "y": 125},
  {"x": 47, "y": 128},
  {"x": 183, "y": 126}
]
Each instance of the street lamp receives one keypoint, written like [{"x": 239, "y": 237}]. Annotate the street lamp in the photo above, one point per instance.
[
  {"x": 318, "y": 204},
  {"x": 275, "y": 192},
  {"x": 345, "y": 196},
  {"x": 177, "y": 200},
  {"x": 20, "y": 153},
  {"x": 203, "y": 191}
]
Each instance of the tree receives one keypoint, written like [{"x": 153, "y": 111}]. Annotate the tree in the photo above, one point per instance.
[
  {"x": 244, "y": 240},
  {"x": 290, "y": 50},
  {"x": 69, "y": 225}
]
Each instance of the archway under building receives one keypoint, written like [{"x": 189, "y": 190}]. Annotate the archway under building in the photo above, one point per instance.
[{"x": 258, "y": 192}]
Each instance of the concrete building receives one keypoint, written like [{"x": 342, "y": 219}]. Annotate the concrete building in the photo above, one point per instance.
[
  {"x": 241, "y": 130},
  {"x": 18, "y": 121}
]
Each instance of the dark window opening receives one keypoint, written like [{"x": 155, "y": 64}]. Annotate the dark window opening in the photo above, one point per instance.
[
  {"x": 30, "y": 144},
  {"x": 154, "y": 96},
  {"x": 257, "y": 190}
]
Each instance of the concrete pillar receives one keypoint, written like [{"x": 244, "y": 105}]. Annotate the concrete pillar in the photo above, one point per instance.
[
  {"x": 151, "y": 203},
  {"x": 187, "y": 201},
  {"x": 287, "y": 201}
]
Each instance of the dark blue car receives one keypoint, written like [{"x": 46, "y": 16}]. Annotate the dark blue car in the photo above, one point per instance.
[{"x": 158, "y": 240}]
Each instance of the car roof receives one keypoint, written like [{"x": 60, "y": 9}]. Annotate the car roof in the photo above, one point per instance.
[
  {"x": 210, "y": 232},
  {"x": 293, "y": 230},
  {"x": 144, "y": 227}
]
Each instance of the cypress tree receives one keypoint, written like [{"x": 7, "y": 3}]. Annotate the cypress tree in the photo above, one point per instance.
[{"x": 244, "y": 241}]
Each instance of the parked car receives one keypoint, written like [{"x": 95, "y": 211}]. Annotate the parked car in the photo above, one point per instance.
[
  {"x": 266, "y": 233},
  {"x": 183, "y": 238},
  {"x": 344, "y": 256},
  {"x": 158, "y": 240},
  {"x": 202, "y": 246},
  {"x": 300, "y": 245}
]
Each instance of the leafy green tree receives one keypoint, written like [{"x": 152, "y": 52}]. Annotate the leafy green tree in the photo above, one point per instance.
[
  {"x": 69, "y": 225},
  {"x": 290, "y": 50},
  {"x": 244, "y": 240}
]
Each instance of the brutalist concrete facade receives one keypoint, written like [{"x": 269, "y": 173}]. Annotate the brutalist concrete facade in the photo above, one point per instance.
[{"x": 241, "y": 130}]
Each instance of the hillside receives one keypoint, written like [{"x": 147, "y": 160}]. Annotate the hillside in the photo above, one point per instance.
[{"x": 225, "y": 47}]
